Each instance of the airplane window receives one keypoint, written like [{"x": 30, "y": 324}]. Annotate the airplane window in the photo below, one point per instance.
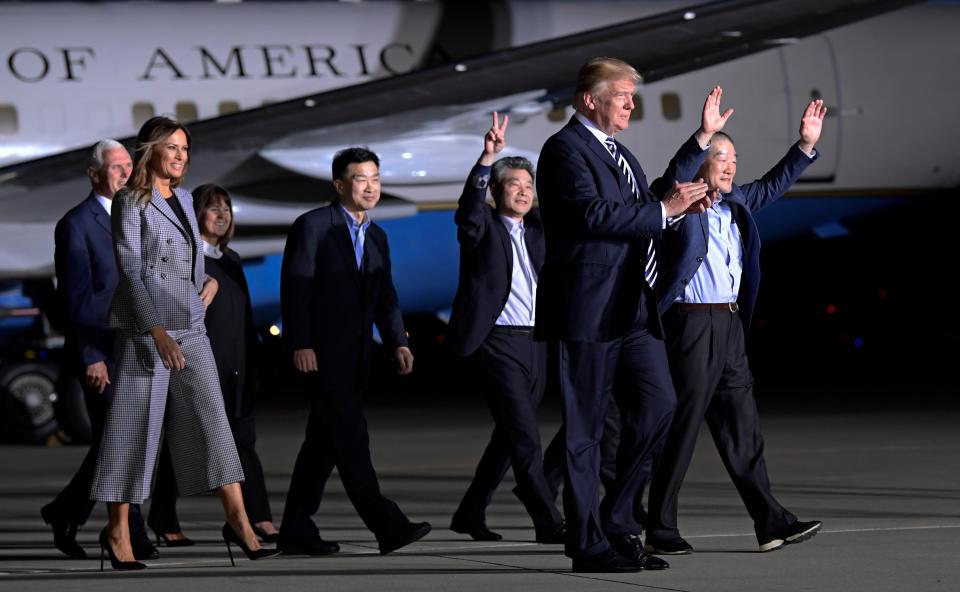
[
  {"x": 558, "y": 113},
  {"x": 141, "y": 113},
  {"x": 637, "y": 113},
  {"x": 8, "y": 119},
  {"x": 186, "y": 111},
  {"x": 670, "y": 102},
  {"x": 228, "y": 107}
]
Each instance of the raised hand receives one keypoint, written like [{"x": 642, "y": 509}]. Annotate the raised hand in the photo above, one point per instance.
[
  {"x": 712, "y": 121},
  {"x": 495, "y": 139},
  {"x": 812, "y": 124}
]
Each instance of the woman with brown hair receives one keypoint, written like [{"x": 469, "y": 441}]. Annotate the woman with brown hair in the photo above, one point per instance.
[{"x": 166, "y": 376}]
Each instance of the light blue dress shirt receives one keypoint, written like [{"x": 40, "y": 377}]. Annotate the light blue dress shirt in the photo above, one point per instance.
[
  {"x": 358, "y": 233},
  {"x": 520, "y": 310},
  {"x": 717, "y": 281}
]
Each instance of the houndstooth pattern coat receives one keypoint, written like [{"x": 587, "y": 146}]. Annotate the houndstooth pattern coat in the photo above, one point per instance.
[{"x": 160, "y": 280}]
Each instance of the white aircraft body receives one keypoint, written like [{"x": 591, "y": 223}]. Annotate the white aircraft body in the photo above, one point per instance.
[{"x": 73, "y": 73}]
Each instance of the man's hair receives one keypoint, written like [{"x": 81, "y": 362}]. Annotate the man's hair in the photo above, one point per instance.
[
  {"x": 596, "y": 73},
  {"x": 348, "y": 156},
  {"x": 498, "y": 174},
  {"x": 207, "y": 195},
  {"x": 151, "y": 136},
  {"x": 96, "y": 157},
  {"x": 719, "y": 136}
]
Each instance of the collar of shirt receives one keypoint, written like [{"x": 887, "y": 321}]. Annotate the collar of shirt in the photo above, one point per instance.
[
  {"x": 106, "y": 203},
  {"x": 212, "y": 251},
  {"x": 511, "y": 224},
  {"x": 352, "y": 222},
  {"x": 598, "y": 133}
]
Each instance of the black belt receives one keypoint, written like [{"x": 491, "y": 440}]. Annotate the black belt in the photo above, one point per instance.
[
  {"x": 719, "y": 307},
  {"x": 513, "y": 330}
]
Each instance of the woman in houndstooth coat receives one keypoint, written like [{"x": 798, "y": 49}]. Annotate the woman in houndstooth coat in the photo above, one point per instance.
[{"x": 166, "y": 377}]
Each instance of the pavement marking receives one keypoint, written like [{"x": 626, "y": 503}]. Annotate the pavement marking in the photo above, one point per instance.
[{"x": 831, "y": 531}]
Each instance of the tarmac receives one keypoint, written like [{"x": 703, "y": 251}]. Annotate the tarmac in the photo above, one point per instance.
[{"x": 884, "y": 482}]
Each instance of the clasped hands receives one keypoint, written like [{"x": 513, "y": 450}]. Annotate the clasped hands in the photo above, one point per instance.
[{"x": 693, "y": 197}]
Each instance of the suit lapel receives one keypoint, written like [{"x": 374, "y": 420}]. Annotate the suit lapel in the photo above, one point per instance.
[
  {"x": 600, "y": 151},
  {"x": 341, "y": 236},
  {"x": 505, "y": 242},
  {"x": 164, "y": 208},
  {"x": 533, "y": 238},
  {"x": 99, "y": 214}
]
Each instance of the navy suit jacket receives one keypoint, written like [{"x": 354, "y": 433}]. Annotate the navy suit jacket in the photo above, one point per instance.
[
  {"x": 328, "y": 304},
  {"x": 684, "y": 250},
  {"x": 87, "y": 278},
  {"x": 591, "y": 285},
  {"x": 486, "y": 263}
]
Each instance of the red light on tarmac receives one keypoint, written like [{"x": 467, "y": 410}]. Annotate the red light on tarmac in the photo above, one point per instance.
[{"x": 831, "y": 309}]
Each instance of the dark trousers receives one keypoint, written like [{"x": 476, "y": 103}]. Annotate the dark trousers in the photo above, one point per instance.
[
  {"x": 73, "y": 503},
  {"x": 633, "y": 370},
  {"x": 163, "y": 504},
  {"x": 512, "y": 374},
  {"x": 713, "y": 382},
  {"x": 336, "y": 436},
  {"x": 556, "y": 452}
]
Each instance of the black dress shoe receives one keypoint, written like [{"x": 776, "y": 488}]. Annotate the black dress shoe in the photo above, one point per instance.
[
  {"x": 629, "y": 546},
  {"x": 143, "y": 549},
  {"x": 479, "y": 532},
  {"x": 314, "y": 547},
  {"x": 64, "y": 535},
  {"x": 413, "y": 531},
  {"x": 553, "y": 536},
  {"x": 792, "y": 534},
  {"x": 676, "y": 546},
  {"x": 608, "y": 561}
]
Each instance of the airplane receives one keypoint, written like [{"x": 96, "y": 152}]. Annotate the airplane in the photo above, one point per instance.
[{"x": 416, "y": 81}]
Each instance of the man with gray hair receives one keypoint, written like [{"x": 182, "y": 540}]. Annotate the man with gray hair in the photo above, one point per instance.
[
  {"x": 86, "y": 279},
  {"x": 501, "y": 253}
]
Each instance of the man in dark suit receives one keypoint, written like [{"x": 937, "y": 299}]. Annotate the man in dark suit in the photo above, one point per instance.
[
  {"x": 335, "y": 283},
  {"x": 711, "y": 273},
  {"x": 86, "y": 280},
  {"x": 596, "y": 296},
  {"x": 501, "y": 253}
]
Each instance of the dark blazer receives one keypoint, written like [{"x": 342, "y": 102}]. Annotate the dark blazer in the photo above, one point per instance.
[
  {"x": 486, "y": 263},
  {"x": 86, "y": 281},
  {"x": 592, "y": 279},
  {"x": 327, "y": 303},
  {"x": 233, "y": 338},
  {"x": 684, "y": 250}
]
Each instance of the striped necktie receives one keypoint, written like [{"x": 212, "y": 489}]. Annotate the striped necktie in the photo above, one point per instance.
[{"x": 650, "y": 271}]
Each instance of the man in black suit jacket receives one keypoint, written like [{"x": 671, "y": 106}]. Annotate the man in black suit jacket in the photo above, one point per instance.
[
  {"x": 87, "y": 277},
  {"x": 335, "y": 283},
  {"x": 501, "y": 253},
  {"x": 602, "y": 225}
]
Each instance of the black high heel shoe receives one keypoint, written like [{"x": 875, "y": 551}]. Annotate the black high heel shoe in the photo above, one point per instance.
[
  {"x": 163, "y": 540},
  {"x": 263, "y": 536},
  {"x": 114, "y": 562},
  {"x": 230, "y": 536}
]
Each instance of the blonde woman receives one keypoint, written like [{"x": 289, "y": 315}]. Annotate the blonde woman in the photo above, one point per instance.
[{"x": 166, "y": 377}]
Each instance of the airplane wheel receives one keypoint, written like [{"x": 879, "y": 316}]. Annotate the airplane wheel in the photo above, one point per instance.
[
  {"x": 27, "y": 393},
  {"x": 71, "y": 409}
]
